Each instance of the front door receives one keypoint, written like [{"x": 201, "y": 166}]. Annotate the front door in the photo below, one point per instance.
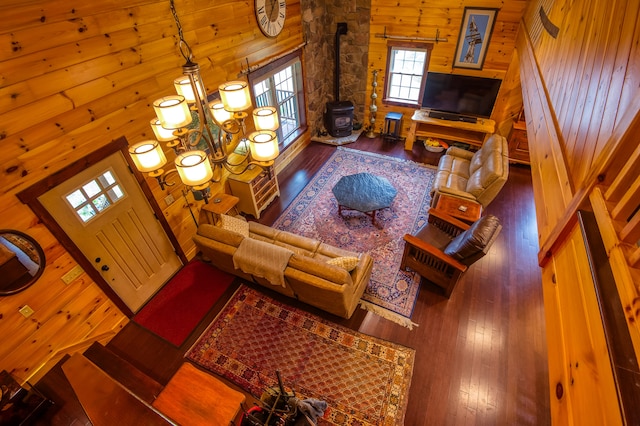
[{"x": 105, "y": 213}]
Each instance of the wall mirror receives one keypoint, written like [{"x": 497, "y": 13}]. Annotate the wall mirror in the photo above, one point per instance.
[{"x": 21, "y": 261}]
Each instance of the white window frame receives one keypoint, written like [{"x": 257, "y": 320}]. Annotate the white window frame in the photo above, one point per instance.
[
  {"x": 285, "y": 73},
  {"x": 413, "y": 81},
  {"x": 105, "y": 189}
]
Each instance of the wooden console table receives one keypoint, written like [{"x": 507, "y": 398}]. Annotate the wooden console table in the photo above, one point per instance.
[{"x": 461, "y": 131}]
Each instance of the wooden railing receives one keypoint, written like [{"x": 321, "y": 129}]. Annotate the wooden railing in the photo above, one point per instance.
[{"x": 617, "y": 210}]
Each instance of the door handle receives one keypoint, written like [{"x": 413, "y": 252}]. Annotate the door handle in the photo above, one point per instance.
[{"x": 105, "y": 268}]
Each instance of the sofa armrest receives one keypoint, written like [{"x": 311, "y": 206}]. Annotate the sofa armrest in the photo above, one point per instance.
[
  {"x": 455, "y": 193},
  {"x": 446, "y": 222},
  {"x": 362, "y": 271},
  {"x": 427, "y": 250},
  {"x": 459, "y": 152}
]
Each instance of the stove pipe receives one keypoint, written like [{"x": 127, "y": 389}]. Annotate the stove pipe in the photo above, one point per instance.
[
  {"x": 341, "y": 30},
  {"x": 339, "y": 114}
]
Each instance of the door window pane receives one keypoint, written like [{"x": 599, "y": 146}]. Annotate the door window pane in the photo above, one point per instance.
[
  {"x": 95, "y": 196},
  {"x": 76, "y": 198}
]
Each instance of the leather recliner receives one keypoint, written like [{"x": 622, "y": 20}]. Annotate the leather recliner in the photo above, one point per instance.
[
  {"x": 475, "y": 176},
  {"x": 443, "y": 249}
]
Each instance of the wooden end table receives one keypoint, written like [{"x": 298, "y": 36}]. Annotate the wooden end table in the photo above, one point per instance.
[
  {"x": 218, "y": 205},
  {"x": 466, "y": 210},
  {"x": 194, "y": 397}
]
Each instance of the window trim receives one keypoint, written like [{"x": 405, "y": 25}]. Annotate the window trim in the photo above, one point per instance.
[{"x": 398, "y": 45}]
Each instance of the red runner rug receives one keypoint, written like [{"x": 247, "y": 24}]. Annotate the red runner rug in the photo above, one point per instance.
[
  {"x": 181, "y": 304},
  {"x": 364, "y": 380}
]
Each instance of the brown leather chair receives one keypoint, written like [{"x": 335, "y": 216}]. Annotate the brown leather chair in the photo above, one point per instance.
[
  {"x": 445, "y": 247},
  {"x": 475, "y": 176}
]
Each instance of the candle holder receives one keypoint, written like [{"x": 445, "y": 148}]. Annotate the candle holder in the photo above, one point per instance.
[{"x": 373, "y": 108}]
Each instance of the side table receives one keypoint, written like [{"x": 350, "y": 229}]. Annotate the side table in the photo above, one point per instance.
[
  {"x": 194, "y": 397},
  {"x": 218, "y": 205},
  {"x": 466, "y": 210}
]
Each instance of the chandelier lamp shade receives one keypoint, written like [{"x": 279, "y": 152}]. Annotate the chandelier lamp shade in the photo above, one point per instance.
[
  {"x": 148, "y": 157},
  {"x": 194, "y": 168},
  {"x": 264, "y": 145},
  {"x": 203, "y": 133},
  {"x": 266, "y": 118}
]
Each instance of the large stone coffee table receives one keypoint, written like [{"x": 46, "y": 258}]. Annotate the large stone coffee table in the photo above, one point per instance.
[{"x": 365, "y": 193}]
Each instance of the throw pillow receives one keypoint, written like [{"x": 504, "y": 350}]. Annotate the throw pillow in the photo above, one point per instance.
[
  {"x": 234, "y": 224},
  {"x": 346, "y": 262}
]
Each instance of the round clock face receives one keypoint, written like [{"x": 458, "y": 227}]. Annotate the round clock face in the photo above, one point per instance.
[{"x": 271, "y": 15}]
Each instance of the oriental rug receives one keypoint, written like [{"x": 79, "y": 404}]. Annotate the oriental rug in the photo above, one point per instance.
[
  {"x": 364, "y": 380},
  {"x": 181, "y": 304},
  {"x": 391, "y": 293}
]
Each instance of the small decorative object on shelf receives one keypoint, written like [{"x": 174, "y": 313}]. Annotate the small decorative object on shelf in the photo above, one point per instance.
[{"x": 435, "y": 145}]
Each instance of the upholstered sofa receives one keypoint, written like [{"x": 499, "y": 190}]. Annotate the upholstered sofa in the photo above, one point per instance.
[
  {"x": 315, "y": 273},
  {"x": 475, "y": 176}
]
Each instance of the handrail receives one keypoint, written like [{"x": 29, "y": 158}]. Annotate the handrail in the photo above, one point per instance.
[{"x": 619, "y": 148}]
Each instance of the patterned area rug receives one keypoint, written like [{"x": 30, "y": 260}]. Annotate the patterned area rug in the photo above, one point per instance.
[
  {"x": 364, "y": 380},
  {"x": 314, "y": 213}
]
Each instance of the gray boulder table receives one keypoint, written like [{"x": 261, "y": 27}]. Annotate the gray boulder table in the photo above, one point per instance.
[{"x": 365, "y": 193}]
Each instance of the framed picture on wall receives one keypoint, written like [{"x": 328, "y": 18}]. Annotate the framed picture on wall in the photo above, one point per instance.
[{"x": 475, "y": 33}]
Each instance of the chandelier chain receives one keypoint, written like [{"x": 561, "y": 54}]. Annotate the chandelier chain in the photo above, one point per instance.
[
  {"x": 176, "y": 19},
  {"x": 185, "y": 49}
]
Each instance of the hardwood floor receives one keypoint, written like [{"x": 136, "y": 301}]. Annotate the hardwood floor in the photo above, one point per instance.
[{"x": 480, "y": 355}]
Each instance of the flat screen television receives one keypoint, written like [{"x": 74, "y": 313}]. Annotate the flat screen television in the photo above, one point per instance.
[{"x": 460, "y": 94}]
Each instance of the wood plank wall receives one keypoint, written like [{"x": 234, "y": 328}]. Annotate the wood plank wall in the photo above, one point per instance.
[
  {"x": 73, "y": 76},
  {"x": 420, "y": 19},
  {"x": 583, "y": 117}
]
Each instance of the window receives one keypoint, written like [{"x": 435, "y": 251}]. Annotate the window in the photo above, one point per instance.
[
  {"x": 95, "y": 196},
  {"x": 279, "y": 84},
  {"x": 407, "y": 65}
]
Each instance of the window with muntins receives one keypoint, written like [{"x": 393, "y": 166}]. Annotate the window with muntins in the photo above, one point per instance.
[
  {"x": 94, "y": 197},
  {"x": 279, "y": 84},
  {"x": 407, "y": 65}
]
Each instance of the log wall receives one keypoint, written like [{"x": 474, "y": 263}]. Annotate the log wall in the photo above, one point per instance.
[{"x": 73, "y": 77}]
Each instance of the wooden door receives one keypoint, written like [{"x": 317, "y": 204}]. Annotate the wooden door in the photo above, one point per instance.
[{"x": 105, "y": 213}]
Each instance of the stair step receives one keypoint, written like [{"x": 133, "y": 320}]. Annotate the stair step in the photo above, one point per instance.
[{"x": 125, "y": 373}]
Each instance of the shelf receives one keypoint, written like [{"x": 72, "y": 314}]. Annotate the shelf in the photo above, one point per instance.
[{"x": 424, "y": 126}]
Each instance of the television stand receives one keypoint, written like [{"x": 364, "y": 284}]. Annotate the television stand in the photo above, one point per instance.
[{"x": 423, "y": 125}]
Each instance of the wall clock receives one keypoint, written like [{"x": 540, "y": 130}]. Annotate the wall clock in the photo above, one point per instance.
[{"x": 271, "y": 15}]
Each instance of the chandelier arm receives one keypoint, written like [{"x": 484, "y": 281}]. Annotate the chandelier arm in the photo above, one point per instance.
[
  {"x": 246, "y": 157},
  {"x": 264, "y": 165},
  {"x": 162, "y": 178},
  {"x": 192, "y": 70}
]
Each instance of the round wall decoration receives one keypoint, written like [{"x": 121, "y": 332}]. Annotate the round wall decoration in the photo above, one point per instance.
[{"x": 271, "y": 15}]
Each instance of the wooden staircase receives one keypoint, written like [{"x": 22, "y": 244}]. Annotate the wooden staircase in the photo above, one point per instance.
[
  {"x": 124, "y": 372},
  {"x": 112, "y": 390}
]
